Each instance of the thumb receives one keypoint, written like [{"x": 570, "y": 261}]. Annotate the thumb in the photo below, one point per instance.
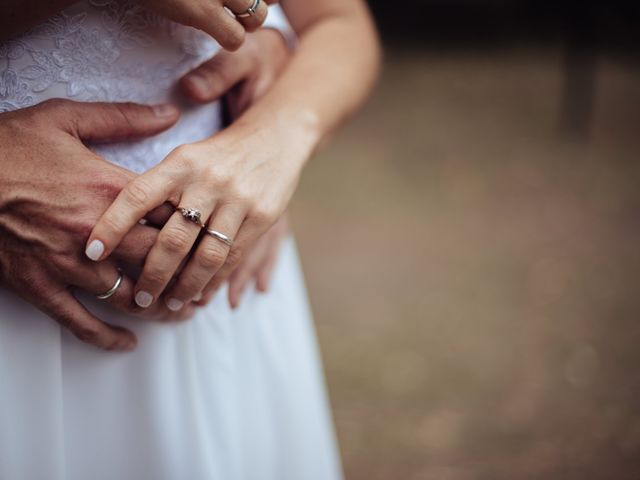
[
  {"x": 103, "y": 122},
  {"x": 214, "y": 78}
]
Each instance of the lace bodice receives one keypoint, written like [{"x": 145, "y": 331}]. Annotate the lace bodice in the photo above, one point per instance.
[{"x": 106, "y": 50}]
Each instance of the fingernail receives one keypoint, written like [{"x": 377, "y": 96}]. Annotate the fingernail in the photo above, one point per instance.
[
  {"x": 198, "y": 297},
  {"x": 95, "y": 250},
  {"x": 174, "y": 304},
  {"x": 164, "y": 110},
  {"x": 144, "y": 299},
  {"x": 199, "y": 84}
]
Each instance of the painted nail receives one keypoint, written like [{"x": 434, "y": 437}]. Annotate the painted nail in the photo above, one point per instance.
[
  {"x": 144, "y": 299},
  {"x": 198, "y": 297},
  {"x": 199, "y": 84},
  {"x": 164, "y": 110},
  {"x": 95, "y": 250},
  {"x": 174, "y": 304}
]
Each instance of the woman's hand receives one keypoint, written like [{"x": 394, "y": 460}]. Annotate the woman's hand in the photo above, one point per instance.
[
  {"x": 213, "y": 17},
  {"x": 240, "y": 181},
  {"x": 52, "y": 191},
  {"x": 242, "y": 78}
]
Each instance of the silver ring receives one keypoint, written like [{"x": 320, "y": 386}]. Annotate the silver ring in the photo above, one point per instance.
[
  {"x": 112, "y": 291},
  {"x": 251, "y": 11},
  {"x": 193, "y": 215},
  {"x": 222, "y": 237}
]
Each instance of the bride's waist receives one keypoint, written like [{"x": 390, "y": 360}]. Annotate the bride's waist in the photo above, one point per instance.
[{"x": 196, "y": 123}]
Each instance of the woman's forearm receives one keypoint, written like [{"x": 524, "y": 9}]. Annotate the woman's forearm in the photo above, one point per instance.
[
  {"x": 18, "y": 16},
  {"x": 331, "y": 74}
]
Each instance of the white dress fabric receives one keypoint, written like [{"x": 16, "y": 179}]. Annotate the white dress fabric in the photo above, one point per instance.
[{"x": 229, "y": 395}]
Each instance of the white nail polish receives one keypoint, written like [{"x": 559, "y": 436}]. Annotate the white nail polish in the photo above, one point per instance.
[
  {"x": 198, "y": 297},
  {"x": 95, "y": 250},
  {"x": 144, "y": 299},
  {"x": 174, "y": 304}
]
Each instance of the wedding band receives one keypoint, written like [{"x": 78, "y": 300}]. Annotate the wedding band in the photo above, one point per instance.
[
  {"x": 251, "y": 11},
  {"x": 193, "y": 215},
  {"x": 222, "y": 237},
  {"x": 112, "y": 291}
]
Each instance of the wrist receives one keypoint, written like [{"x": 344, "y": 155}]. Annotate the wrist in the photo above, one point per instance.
[{"x": 293, "y": 134}]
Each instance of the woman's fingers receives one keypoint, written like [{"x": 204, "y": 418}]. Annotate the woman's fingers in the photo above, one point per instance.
[
  {"x": 211, "y": 254},
  {"x": 250, "y": 15},
  {"x": 173, "y": 245},
  {"x": 141, "y": 195},
  {"x": 71, "y": 314}
]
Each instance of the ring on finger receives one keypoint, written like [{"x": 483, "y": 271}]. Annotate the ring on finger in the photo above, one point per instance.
[
  {"x": 221, "y": 236},
  {"x": 193, "y": 215},
  {"x": 251, "y": 11},
  {"x": 112, "y": 291}
]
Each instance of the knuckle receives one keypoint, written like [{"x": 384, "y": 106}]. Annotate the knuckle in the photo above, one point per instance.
[
  {"x": 240, "y": 193},
  {"x": 111, "y": 223},
  {"x": 63, "y": 263},
  {"x": 109, "y": 185},
  {"x": 259, "y": 18},
  {"x": 81, "y": 227},
  {"x": 220, "y": 177},
  {"x": 155, "y": 276},
  {"x": 137, "y": 193},
  {"x": 175, "y": 240},
  {"x": 263, "y": 214},
  {"x": 55, "y": 103},
  {"x": 184, "y": 155},
  {"x": 212, "y": 257},
  {"x": 187, "y": 287},
  {"x": 234, "y": 257},
  {"x": 87, "y": 333},
  {"x": 233, "y": 39},
  {"x": 215, "y": 73},
  {"x": 66, "y": 322}
]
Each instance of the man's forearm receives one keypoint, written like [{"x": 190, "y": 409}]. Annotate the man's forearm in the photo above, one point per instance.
[{"x": 18, "y": 16}]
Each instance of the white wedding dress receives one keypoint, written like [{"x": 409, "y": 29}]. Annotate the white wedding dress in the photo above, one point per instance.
[{"x": 228, "y": 395}]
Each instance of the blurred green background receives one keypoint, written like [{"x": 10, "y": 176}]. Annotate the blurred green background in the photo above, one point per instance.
[{"x": 470, "y": 243}]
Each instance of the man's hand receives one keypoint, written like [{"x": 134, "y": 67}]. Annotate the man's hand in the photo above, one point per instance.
[
  {"x": 241, "y": 77},
  {"x": 213, "y": 17},
  {"x": 52, "y": 191}
]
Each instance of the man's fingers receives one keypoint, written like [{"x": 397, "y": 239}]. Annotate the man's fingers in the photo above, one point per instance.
[
  {"x": 265, "y": 271},
  {"x": 100, "y": 278},
  {"x": 238, "y": 283},
  {"x": 71, "y": 314},
  {"x": 135, "y": 246},
  {"x": 161, "y": 215},
  {"x": 250, "y": 19},
  {"x": 223, "y": 27},
  {"x": 214, "y": 78},
  {"x": 102, "y": 122}
]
